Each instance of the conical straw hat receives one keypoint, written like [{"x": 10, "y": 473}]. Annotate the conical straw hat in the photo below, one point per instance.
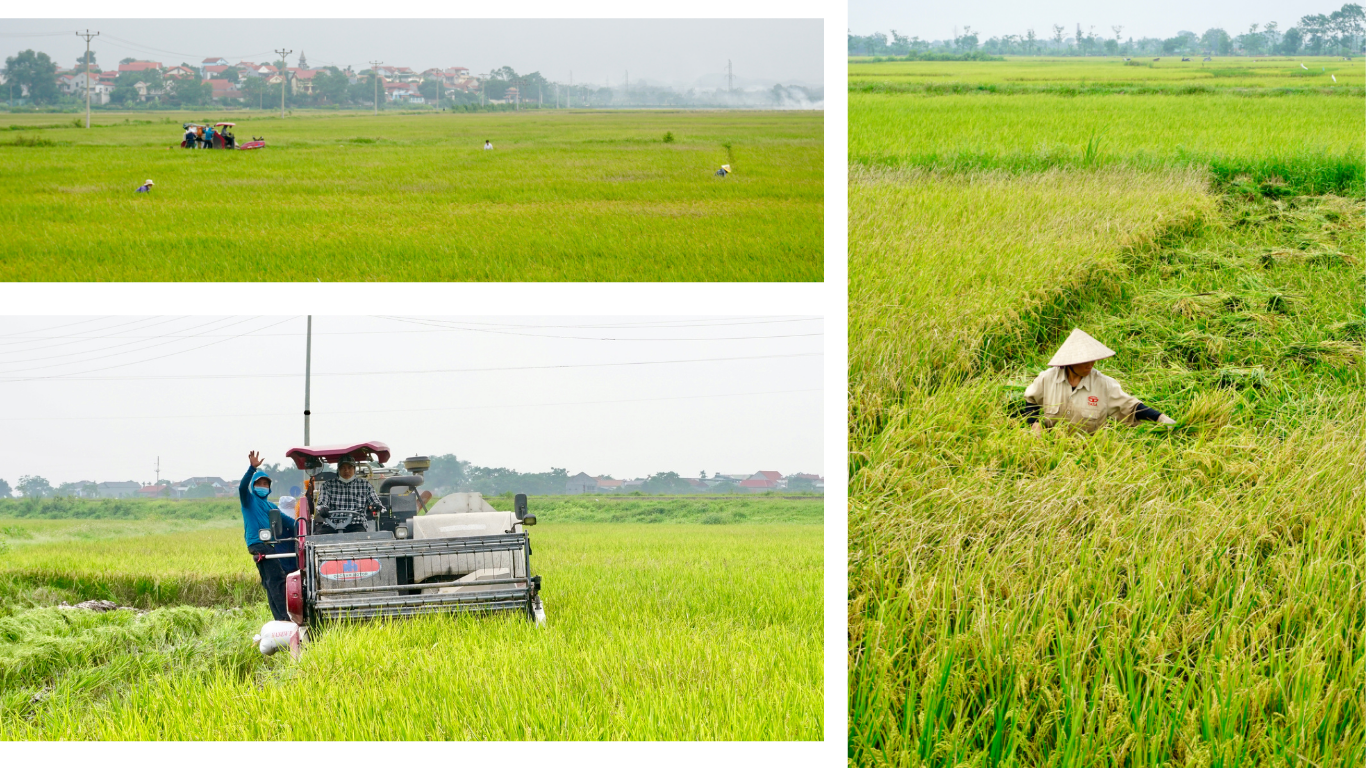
[{"x": 1080, "y": 348}]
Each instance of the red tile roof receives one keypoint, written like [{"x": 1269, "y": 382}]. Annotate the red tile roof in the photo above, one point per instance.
[
  {"x": 757, "y": 483},
  {"x": 139, "y": 66},
  {"x": 771, "y": 475}
]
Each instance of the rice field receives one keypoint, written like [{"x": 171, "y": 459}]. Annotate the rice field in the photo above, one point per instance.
[
  {"x": 1142, "y": 596},
  {"x": 690, "y": 632},
  {"x": 1023, "y": 73},
  {"x": 564, "y": 196}
]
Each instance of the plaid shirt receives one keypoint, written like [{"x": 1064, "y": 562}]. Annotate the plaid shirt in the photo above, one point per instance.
[{"x": 354, "y": 496}]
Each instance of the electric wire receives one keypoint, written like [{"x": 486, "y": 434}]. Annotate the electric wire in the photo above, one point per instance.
[
  {"x": 316, "y": 374},
  {"x": 370, "y": 412}
]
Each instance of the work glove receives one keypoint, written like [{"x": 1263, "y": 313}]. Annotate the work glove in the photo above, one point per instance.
[{"x": 1165, "y": 419}]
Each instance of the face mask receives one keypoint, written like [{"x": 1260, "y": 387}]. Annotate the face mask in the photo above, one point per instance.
[
  {"x": 262, "y": 492},
  {"x": 346, "y": 479}
]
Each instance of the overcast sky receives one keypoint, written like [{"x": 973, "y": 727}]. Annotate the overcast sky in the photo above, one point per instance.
[
  {"x": 992, "y": 18},
  {"x": 101, "y": 398},
  {"x": 677, "y": 52}
]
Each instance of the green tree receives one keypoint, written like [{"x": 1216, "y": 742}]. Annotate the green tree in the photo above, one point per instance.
[
  {"x": 34, "y": 487},
  {"x": 254, "y": 89},
  {"x": 666, "y": 483},
  {"x": 123, "y": 93},
  {"x": 36, "y": 72},
  {"x": 1316, "y": 30},
  {"x": 1291, "y": 42},
  {"x": 330, "y": 86},
  {"x": 202, "y": 491},
  {"x": 1252, "y": 42},
  {"x": 5, "y": 491},
  {"x": 190, "y": 91},
  {"x": 81, "y": 62}
]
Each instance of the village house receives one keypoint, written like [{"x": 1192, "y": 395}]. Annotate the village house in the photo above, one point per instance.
[
  {"x": 178, "y": 72},
  {"x": 154, "y": 491},
  {"x": 224, "y": 89},
  {"x": 214, "y": 72},
  {"x": 140, "y": 66},
  {"x": 214, "y": 62},
  {"x": 301, "y": 80},
  {"x": 124, "y": 490}
]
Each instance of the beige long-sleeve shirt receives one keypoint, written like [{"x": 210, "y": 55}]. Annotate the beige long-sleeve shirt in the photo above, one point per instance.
[{"x": 1096, "y": 399}]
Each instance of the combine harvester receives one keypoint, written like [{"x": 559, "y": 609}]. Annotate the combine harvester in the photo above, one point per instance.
[{"x": 388, "y": 561}]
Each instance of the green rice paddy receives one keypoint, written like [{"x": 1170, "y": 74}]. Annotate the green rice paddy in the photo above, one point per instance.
[
  {"x": 564, "y": 196},
  {"x": 654, "y": 632},
  {"x": 1142, "y": 596}
]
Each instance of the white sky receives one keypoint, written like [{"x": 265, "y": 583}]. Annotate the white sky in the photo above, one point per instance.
[
  {"x": 101, "y": 398},
  {"x": 675, "y": 51},
  {"x": 992, "y": 18}
]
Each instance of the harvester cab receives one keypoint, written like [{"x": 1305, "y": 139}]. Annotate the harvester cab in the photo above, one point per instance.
[{"x": 388, "y": 560}]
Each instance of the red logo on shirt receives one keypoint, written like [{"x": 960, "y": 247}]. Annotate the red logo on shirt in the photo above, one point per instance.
[{"x": 1093, "y": 401}]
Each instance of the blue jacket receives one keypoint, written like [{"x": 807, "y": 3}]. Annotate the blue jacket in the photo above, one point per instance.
[{"x": 255, "y": 510}]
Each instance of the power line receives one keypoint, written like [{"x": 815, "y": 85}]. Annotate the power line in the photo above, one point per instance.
[
  {"x": 178, "y": 53},
  {"x": 145, "y": 324},
  {"x": 135, "y": 362},
  {"x": 173, "y": 339},
  {"x": 603, "y": 338},
  {"x": 116, "y": 354},
  {"x": 206, "y": 377},
  {"x": 720, "y": 323},
  {"x": 418, "y": 410}
]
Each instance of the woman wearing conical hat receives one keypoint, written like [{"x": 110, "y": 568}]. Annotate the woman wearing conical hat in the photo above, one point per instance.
[{"x": 1072, "y": 391}]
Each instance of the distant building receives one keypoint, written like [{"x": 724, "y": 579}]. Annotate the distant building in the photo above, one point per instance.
[
  {"x": 154, "y": 491},
  {"x": 759, "y": 485},
  {"x": 140, "y": 66},
  {"x": 214, "y": 62},
  {"x": 581, "y": 483},
  {"x": 124, "y": 490}
]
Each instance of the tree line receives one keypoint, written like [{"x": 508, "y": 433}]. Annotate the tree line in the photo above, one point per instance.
[
  {"x": 1340, "y": 33},
  {"x": 447, "y": 474}
]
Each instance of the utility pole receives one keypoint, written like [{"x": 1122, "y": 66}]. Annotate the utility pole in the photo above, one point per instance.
[
  {"x": 87, "y": 34},
  {"x": 158, "y": 458},
  {"x": 557, "y": 95},
  {"x": 284, "y": 71},
  {"x": 308, "y": 372},
  {"x": 730, "y": 83},
  {"x": 374, "y": 75}
]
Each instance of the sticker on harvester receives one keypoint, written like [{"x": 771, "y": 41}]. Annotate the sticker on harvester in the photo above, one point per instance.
[{"x": 349, "y": 570}]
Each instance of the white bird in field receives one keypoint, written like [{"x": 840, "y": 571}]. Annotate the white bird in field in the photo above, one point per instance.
[
  {"x": 1335, "y": 78},
  {"x": 1302, "y": 66}
]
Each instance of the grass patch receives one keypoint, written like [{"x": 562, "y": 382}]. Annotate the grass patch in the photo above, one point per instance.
[
  {"x": 940, "y": 259},
  {"x": 1310, "y": 144},
  {"x": 1142, "y": 595},
  {"x": 566, "y": 196},
  {"x": 650, "y": 636}
]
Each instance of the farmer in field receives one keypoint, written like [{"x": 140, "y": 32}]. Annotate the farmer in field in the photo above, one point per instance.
[
  {"x": 488, "y": 144},
  {"x": 723, "y": 171},
  {"x": 146, "y": 186},
  {"x": 256, "y": 509},
  {"x": 1071, "y": 391},
  {"x": 346, "y": 491}
]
